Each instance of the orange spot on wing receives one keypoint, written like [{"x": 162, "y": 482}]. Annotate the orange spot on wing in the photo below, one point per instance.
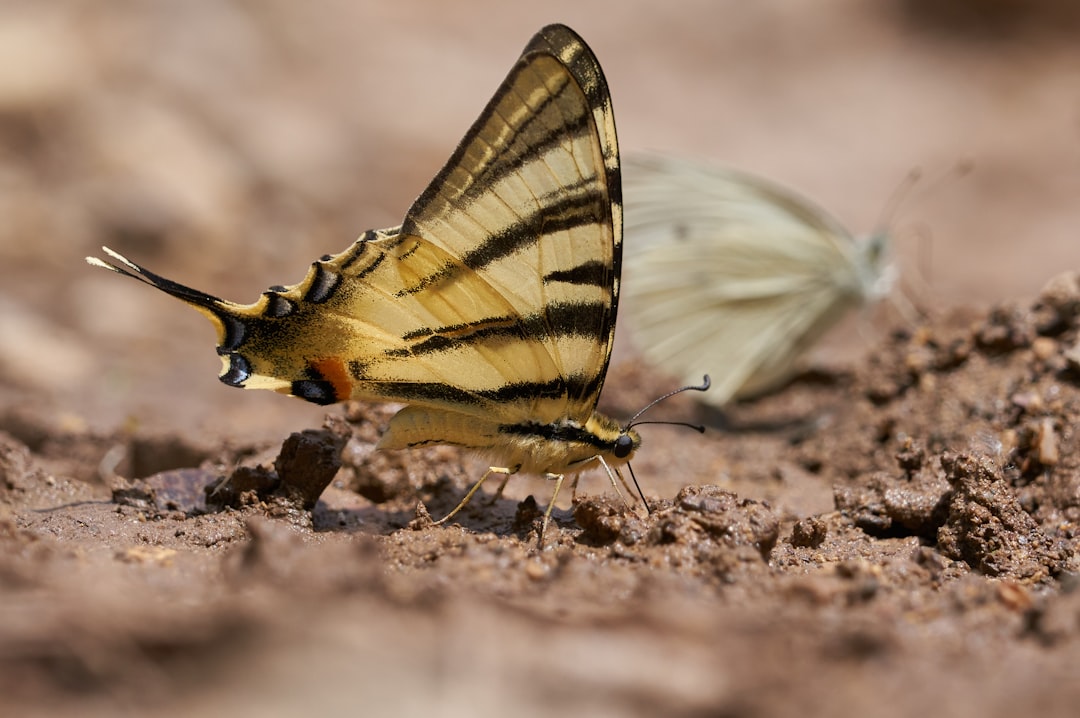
[{"x": 333, "y": 370}]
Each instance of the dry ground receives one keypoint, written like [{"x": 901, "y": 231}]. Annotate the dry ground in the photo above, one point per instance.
[{"x": 894, "y": 534}]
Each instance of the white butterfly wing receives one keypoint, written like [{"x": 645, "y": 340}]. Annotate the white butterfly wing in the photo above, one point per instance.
[{"x": 730, "y": 275}]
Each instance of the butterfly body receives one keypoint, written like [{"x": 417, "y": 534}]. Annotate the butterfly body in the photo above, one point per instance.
[
  {"x": 736, "y": 276},
  {"x": 490, "y": 312}
]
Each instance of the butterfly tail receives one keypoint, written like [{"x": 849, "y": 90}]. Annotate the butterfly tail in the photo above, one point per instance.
[
  {"x": 126, "y": 267},
  {"x": 229, "y": 325}
]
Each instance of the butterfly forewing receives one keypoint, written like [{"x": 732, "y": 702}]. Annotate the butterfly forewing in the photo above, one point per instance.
[{"x": 524, "y": 211}]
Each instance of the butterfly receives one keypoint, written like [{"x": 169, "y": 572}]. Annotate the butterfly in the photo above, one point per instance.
[
  {"x": 490, "y": 312},
  {"x": 736, "y": 276}
]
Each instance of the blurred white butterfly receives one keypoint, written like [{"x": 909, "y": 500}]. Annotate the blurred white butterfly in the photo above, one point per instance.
[{"x": 728, "y": 274}]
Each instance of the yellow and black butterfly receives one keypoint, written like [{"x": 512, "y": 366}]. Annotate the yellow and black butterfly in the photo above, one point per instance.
[{"x": 490, "y": 311}]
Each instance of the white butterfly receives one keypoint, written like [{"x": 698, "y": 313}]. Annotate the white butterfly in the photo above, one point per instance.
[{"x": 731, "y": 275}]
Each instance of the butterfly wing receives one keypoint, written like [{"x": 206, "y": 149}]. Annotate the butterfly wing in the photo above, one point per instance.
[
  {"x": 530, "y": 206},
  {"x": 731, "y": 275},
  {"x": 497, "y": 296}
]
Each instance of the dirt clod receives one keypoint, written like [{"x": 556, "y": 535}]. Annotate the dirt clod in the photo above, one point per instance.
[
  {"x": 605, "y": 520},
  {"x": 704, "y": 515},
  {"x": 809, "y": 533},
  {"x": 307, "y": 464},
  {"x": 987, "y": 527}
]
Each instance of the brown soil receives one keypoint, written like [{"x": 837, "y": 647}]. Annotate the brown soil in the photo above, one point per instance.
[{"x": 890, "y": 535}]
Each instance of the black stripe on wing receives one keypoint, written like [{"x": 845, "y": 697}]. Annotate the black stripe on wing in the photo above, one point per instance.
[
  {"x": 576, "y": 209},
  {"x": 572, "y": 207},
  {"x": 594, "y": 274},
  {"x": 439, "y": 394},
  {"x": 559, "y": 320}
]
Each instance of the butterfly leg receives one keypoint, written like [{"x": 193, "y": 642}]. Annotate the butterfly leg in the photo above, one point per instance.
[
  {"x": 551, "y": 505},
  {"x": 499, "y": 491},
  {"x": 622, "y": 480},
  {"x": 612, "y": 473},
  {"x": 573, "y": 488},
  {"x": 491, "y": 470}
]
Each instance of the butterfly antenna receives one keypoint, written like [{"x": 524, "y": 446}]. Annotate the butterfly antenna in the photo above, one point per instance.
[
  {"x": 706, "y": 383},
  {"x": 901, "y": 193},
  {"x": 910, "y": 300}
]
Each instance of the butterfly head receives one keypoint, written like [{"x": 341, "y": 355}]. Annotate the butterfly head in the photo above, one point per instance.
[
  {"x": 618, "y": 442},
  {"x": 875, "y": 271}
]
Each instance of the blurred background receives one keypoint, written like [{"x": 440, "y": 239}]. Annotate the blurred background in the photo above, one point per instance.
[{"x": 227, "y": 144}]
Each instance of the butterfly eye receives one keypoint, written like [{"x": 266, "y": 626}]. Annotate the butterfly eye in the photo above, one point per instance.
[{"x": 623, "y": 446}]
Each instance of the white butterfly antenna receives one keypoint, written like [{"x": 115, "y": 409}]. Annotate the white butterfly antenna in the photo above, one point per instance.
[
  {"x": 921, "y": 283},
  {"x": 704, "y": 386},
  {"x": 896, "y": 199},
  {"x": 917, "y": 285}
]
